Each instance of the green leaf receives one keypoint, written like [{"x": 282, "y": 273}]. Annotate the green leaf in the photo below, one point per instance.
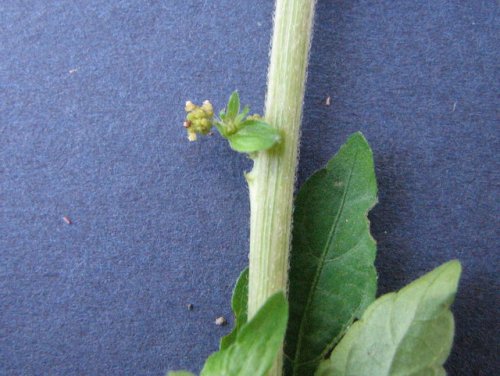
[
  {"x": 180, "y": 373},
  {"x": 239, "y": 118},
  {"x": 239, "y": 305},
  {"x": 256, "y": 345},
  {"x": 233, "y": 106},
  {"x": 220, "y": 128},
  {"x": 404, "y": 333},
  {"x": 332, "y": 276},
  {"x": 254, "y": 135}
]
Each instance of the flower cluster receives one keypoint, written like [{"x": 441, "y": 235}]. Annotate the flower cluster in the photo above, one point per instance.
[
  {"x": 199, "y": 119},
  {"x": 246, "y": 134}
]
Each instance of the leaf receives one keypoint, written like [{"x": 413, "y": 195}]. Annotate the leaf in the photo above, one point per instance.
[
  {"x": 332, "y": 276},
  {"x": 254, "y": 135},
  {"x": 404, "y": 333},
  {"x": 233, "y": 106},
  {"x": 220, "y": 128},
  {"x": 180, "y": 373},
  {"x": 256, "y": 345},
  {"x": 239, "y": 118},
  {"x": 239, "y": 305}
]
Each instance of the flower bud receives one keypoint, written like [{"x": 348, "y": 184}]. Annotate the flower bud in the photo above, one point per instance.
[
  {"x": 190, "y": 106},
  {"x": 207, "y": 107}
]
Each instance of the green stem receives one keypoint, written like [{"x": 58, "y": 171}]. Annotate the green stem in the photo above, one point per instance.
[{"x": 271, "y": 182}]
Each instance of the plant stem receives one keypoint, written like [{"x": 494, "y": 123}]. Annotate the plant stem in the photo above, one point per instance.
[{"x": 271, "y": 182}]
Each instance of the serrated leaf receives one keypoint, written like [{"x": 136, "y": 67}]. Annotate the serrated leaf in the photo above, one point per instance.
[
  {"x": 233, "y": 106},
  {"x": 239, "y": 303},
  {"x": 332, "y": 276},
  {"x": 409, "y": 333},
  {"x": 254, "y": 135},
  {"x": 256, "y": 345},
  {"x": 180, "y": 373}
]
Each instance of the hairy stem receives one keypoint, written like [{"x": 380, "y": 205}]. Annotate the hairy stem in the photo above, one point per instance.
[{"x": 271, "y": 182}]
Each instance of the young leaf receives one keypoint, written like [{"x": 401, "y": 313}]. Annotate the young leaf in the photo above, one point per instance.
[
  {"x": 180, "y": 373},
  {"x": 404, "y": 333},
  {"x": 220, "y": 127},
  {"x": 332, "y": 276},
  {"x": 239, "y": 118},
  {"x": 233, "y": 106},
  {"x": 256, "y": 345},
  {"x": 254, "y": 135},
  {"x": 239, "y": 305}
]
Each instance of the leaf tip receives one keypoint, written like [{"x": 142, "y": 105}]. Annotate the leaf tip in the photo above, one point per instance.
[
  {"x": 358, "y": 138},
  {"x": 452, "y": 270}
]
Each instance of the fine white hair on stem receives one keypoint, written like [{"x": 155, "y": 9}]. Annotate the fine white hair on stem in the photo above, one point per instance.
[{"x": 272, "y": 179}]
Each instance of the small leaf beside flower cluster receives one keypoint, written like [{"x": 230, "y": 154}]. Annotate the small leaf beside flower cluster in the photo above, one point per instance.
[{"x": 246, "y": 134}]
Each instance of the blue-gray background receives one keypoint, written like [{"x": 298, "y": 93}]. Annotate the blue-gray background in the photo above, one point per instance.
[{"x": 91, "y": 107}]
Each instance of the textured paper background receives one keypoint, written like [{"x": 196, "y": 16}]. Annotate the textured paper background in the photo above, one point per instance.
[{"x": 91, "y": 107}]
